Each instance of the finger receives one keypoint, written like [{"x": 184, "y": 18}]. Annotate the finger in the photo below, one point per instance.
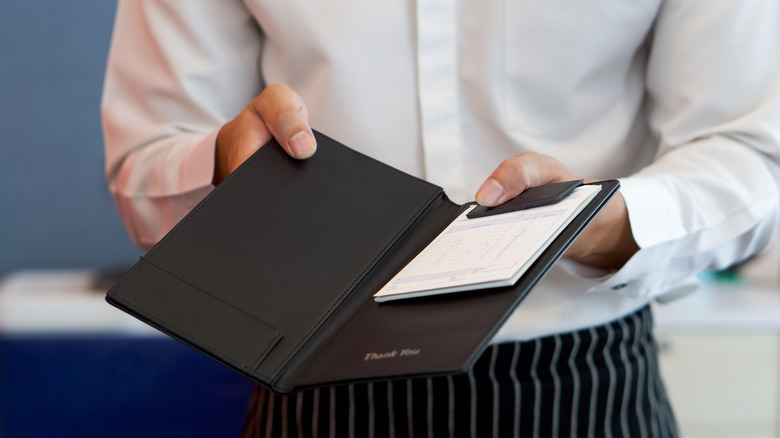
[
  {"x": 286, "y": 117},
  {"x": 237, "y": 140},
  {"x": 516, "y": 174},
  {"x": 248, "y": 134}
]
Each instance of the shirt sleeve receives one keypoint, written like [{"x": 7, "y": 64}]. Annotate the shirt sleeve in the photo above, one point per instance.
[
  {"x": 176, "y": 72},
  {"x": 710, "y": 198}
]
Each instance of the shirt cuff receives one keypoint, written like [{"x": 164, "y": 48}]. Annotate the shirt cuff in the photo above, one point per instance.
[
  {"x": 639, "y": 276},
  {"x": 197, "y": 168},
  {"x": 653, "y": 208}
]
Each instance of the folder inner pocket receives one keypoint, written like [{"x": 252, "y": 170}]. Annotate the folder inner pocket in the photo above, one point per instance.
[{"x": 197, "y": 318}]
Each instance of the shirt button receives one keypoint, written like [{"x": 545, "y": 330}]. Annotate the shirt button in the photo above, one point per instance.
[{"x": 619, "y": 286}]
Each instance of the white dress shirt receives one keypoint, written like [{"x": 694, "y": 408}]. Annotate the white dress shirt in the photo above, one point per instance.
[{"x": 679, "y": 99}]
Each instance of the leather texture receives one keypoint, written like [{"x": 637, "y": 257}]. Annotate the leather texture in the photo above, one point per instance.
[{"x": 273, "y": 274}]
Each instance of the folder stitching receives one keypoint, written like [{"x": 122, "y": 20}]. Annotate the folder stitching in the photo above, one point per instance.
[
  {"x": 340, "y": 299},
  {"x": 339, "y": 335},
  {"x": 198, "y": 206},
  {"x": 126, "y": 277},
  {"x": 350, "y": 288},
  {"x": 335, "y": 144},
  {"x": 266, "y": 149},
  {"x": 263, "y": 353},
  {"x": 355, "y": 317},
  {"x": 207, "y": 346},
  {"x": 221, "y": 300},
  {"x": 168, "y": 236}
]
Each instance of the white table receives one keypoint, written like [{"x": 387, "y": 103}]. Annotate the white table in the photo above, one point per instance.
[{"x": 61, "y": 301}]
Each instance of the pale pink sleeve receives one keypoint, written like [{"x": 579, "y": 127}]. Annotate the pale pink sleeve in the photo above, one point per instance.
[{"x": 177, "y": 71}]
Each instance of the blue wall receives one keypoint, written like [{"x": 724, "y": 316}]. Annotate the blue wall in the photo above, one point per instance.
[{"x": 55, "y": 210}]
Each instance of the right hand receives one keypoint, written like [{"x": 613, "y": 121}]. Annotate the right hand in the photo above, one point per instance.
[
  {"x": 608, "y": 242},
  {"x": 278, "y": 112}
]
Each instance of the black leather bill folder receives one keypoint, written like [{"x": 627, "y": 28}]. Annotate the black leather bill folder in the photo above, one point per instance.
[{"x": 273, "y": 274}]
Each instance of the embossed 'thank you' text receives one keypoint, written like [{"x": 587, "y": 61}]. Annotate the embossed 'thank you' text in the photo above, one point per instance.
[{"x": 404, "y": 352}]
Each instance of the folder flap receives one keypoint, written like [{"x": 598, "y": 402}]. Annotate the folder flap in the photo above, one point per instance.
[
  {"x": 429, "y": 223},
  {"x": 286, "y": 240}
]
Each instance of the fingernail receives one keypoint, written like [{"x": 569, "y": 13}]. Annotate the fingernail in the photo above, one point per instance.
[
  {"x": 490, "y": 192},
  {"x": 302, "y": 145}
]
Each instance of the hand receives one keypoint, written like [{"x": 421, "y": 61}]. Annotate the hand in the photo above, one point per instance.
[
  {"x": 607, "y": 242},
  {"x": 277, "y": 112}
]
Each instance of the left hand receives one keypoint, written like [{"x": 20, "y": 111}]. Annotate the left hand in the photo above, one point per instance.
[
  {"x": 607, "y": 242},
  {"x": 278, "y": 112}
]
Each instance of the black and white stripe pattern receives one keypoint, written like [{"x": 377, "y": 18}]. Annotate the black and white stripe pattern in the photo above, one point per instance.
[{"x": 598, "y": 382}]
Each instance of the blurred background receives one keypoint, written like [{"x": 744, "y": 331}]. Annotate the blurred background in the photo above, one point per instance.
[
  {"x": 56, "y": 208},
  {"x": 70, "y": 365}
]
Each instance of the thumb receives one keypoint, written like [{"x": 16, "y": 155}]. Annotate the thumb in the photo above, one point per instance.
[
  {"x": 285, "y": 115},
  {"x": 278, "y": 112},
  {"x": 514, "y": 175}
]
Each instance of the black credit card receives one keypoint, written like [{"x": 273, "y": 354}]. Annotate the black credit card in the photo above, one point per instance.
[{"x": 531, "y": 197}]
